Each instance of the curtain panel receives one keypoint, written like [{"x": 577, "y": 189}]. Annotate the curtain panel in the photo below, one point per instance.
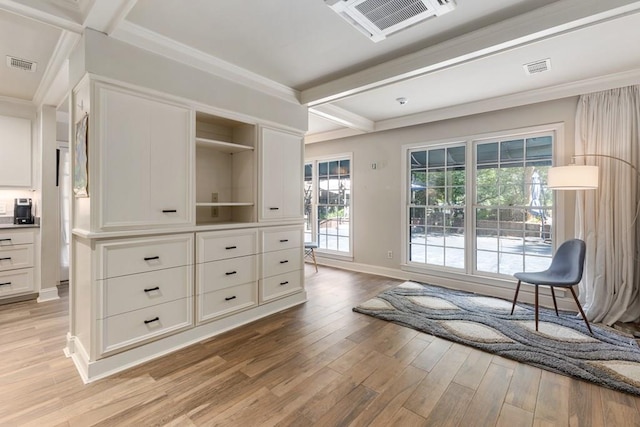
[{"x": 607, "y": 123}]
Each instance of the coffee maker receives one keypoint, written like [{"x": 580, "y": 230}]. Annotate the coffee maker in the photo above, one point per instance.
[{"x": 22, "y": 211}]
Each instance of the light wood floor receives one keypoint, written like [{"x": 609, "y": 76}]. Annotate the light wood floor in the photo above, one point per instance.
[{"x": 316, "y": 364}]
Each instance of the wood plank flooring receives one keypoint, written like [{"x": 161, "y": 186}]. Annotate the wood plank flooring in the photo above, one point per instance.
[{"x": 316, "y": 364}]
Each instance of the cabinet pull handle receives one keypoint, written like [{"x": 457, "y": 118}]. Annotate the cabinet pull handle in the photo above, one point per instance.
[
  {"x": 284, "y": 240},
  {"x": 5, "y": 240},
  {"x": 284, "y": 262},
  {"x": 231, "y": 247},
  {"x": 5, "y": 258},
  {"x": 5, "y": 283},
  {"x": 230, "y": 298},
  {"x": 284, "y": 283},
  {"x": 169, "y": 210},
  {"x": 151, "y": 258},
  {"x": 231, "y": 272},
  {"x": 157, "y": 288},
  {"x": 274, "y": 209},
  {"x": 155, "y": 319}
]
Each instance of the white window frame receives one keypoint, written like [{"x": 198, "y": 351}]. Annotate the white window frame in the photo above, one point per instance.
[
  {"x": 327, "y": 253},
  {"x": 560, "y": 155}
]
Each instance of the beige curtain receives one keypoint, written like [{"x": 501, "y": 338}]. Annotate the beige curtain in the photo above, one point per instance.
[{"x": 607, "y": 123}]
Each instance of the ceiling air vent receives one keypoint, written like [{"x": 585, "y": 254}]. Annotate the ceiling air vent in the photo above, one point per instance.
[
  {"x": 379, "y": 18},
  {"x": 537, "y": 66},
  {"x": 21, "y": 64}
]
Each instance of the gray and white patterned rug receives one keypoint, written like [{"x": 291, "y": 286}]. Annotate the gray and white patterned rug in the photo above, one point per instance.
[{"x": 562, "y": 344}]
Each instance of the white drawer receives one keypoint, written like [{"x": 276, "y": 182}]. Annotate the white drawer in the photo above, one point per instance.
[
  {"x": 16, "y": 282},
  {"x": 280, "y": 262},
  {"x": 222, "y": 274},
  {"x": 136, "y": 291},
  {"x": 213, "y": 246},
  {"x": 279, "y": 239},
  {"x": 280, "y": 286},
  {"x": 226, "y": 301},
  {"x": 16, "y": 257},
  {"x": 131, "y": 256},
  {"x": 133, "y": 327},
  {"x": 16, "y": 237}
]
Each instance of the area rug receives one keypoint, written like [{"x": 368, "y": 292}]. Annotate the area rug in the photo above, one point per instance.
[{"x": 562, "y": 345}]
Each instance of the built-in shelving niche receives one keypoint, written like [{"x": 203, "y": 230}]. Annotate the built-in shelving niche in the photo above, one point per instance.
[{"x": 225, "y": 170}]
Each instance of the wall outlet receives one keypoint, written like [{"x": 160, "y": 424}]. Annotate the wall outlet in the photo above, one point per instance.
[
  {"x": 390, "y": 254},
  {"x": 215, "y": 210}
]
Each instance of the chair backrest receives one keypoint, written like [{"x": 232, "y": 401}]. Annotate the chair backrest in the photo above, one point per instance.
[{"x": 568, "y": 262}]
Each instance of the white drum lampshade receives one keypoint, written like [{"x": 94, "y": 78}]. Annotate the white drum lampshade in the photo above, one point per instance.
[{"x": 573, "y": 177}]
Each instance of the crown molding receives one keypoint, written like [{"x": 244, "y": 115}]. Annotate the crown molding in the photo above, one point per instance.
[
  {"x": 566, "y": 90},
  {"x": 50, "y": 78},
  {"x": 343, "y": 117},
  {"x": 161, "y": 45},
  {"x": 539, "y": 24},
  {"x": 16, "y": 101},
  {"x": 46, "y": 13}
]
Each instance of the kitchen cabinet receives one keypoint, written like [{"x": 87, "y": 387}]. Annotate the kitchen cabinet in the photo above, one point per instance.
[
  {"x": 15, "y": 146},
  {"x": 16, "y": 262}
]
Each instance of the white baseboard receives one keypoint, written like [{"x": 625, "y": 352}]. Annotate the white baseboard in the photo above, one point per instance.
[
  {"x": 48, "y": 294},
  {"x": 526, "y": 294}
]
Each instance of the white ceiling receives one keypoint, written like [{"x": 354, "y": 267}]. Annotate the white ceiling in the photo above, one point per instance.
[{"x": 466, "y": 61}]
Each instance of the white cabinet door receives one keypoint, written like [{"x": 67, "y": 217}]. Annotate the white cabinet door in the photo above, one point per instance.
[
  {"x": 145, "y": 161},
  {"x": 281, "y": 175},
  {"x": 15, "y": 149}
]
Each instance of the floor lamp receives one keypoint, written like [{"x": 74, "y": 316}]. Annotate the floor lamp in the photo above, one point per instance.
[{"x": 579, "y": 177}]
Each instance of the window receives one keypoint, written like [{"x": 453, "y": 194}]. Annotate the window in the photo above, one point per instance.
[
  {"x": 327, "y": 204},
  {"x": 480, "y": 206},
  {"x": 436, "y": 213},
  {"x": 513, "y": 212}
]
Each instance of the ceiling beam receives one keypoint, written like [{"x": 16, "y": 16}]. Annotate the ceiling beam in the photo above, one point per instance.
[
  {"x": 539, "y": 24},
  {"x": 106, "y": 15},
  {"x": 343, "y": 117}
]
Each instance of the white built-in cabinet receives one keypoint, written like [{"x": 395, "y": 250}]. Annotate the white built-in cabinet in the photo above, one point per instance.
[
  {"x": 144, "y": 145},
  {"x": 179, "y": 239},
  {"x": 281, "y": 164},
  {"x": 15, "y": 152},
  {"x": 16, "y": 262}
]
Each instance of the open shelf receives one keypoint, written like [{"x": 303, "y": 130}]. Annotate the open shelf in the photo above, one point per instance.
[
  {"x": 222, "y": 146},
  {"x": 225, "y": 204}
]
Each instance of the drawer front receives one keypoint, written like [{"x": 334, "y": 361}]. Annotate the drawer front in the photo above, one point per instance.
[
  {"x": 16, "y": 282},
  {"x": 280, "y": 262},
  {"x": 215, "y": 246},
  {"x": 280, "y": 286},
  {"x": 129, "y": 328},
  {"x": 16, "y": 257},
  {"x": 218, "y": 275},
  {"x": 279, "y": 239},
  {"x": 226, "y": 301},
  {"x": 132, "y": 256},
  {"x": 16, "y": 237},
  {"x": 136, "y": 291}
]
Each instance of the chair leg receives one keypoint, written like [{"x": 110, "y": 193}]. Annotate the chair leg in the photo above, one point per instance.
[
  {"x": 553, "y": 295},
  {"x": 313, "y": 255},
  {"x": 536, "y": 307},
  {"x": 575, "y": 297},
  {"x": 515, "y": 297}
]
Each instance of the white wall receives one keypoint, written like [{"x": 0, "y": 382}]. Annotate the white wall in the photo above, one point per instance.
[{"x": 377, "y": 209}]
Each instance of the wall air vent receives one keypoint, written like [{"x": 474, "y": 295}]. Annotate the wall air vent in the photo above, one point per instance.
[
  {"x": 537, "y": 66},
  {"x": 379, "y": 18},
  {"x": 21, "y": 64}
]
